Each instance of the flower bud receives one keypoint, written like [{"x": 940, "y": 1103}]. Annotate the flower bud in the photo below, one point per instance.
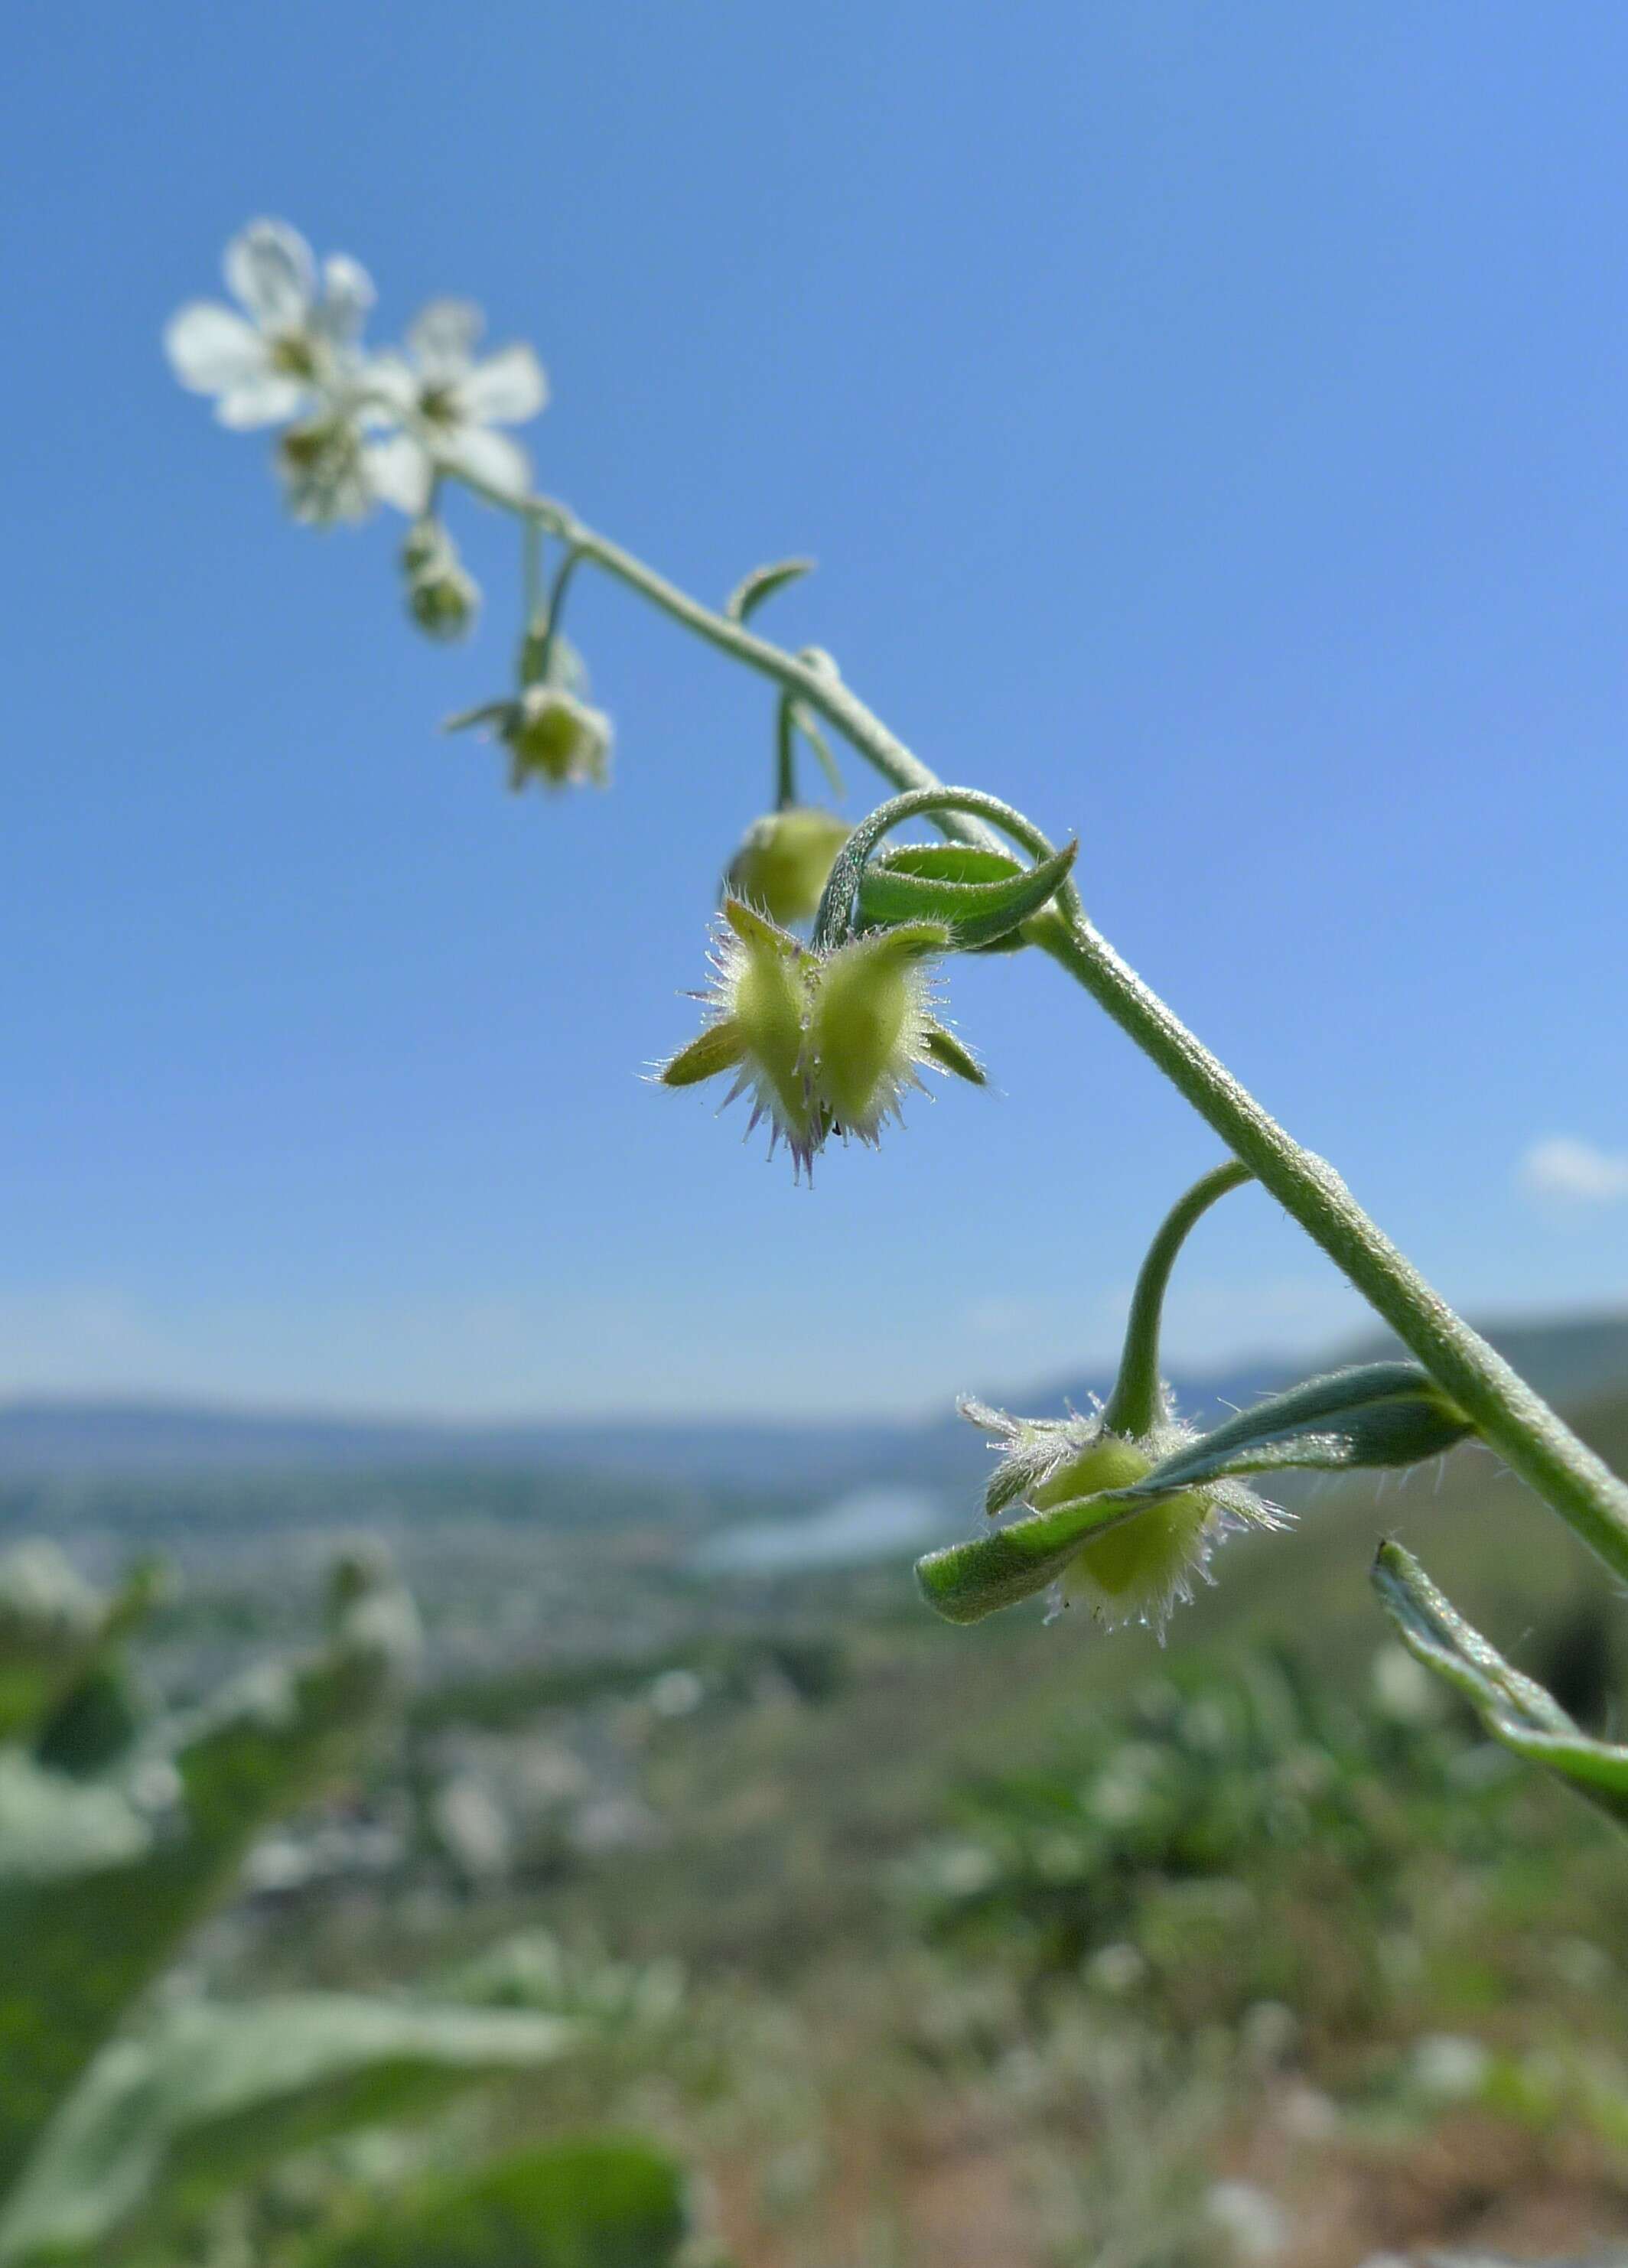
[
  {"x": 554, "y": 737},
  {"x": 784, "y": 860},
  {"x": 441, "y": 597}
]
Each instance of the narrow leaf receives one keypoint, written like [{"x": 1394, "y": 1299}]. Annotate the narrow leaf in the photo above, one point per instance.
[
  {"x": 963, "y": 1582},
  {"x": 976, "y": 913},
  {"x": 949, "y": 862},
  {"x": 1514, "y": 1708},
  {"x": 1377, "y": 1414},
  {"x": 947, "y": 1051},
  {"x": 720, "y": 1048},
  {"x": 750, "y": 592}
]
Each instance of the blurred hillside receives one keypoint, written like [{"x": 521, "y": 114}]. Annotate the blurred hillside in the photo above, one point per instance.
[{"x": 1570, "y": 1360}]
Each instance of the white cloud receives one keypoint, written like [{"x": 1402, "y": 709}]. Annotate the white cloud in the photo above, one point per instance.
[{"x": 1560, "y": 1165}]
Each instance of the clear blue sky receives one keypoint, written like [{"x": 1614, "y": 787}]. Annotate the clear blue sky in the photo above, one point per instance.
[{"x": 1212, "y": 426}]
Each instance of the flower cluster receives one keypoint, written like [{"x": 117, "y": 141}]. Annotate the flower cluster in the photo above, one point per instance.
[
  {"x": 358, "y": 428},
  {"x": 825, "y": 1040}
]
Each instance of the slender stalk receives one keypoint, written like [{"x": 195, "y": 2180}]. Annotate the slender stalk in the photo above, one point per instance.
[
  {"x": 786, "y": 755},
  {"x": 1504, "y": 1409},
  {"x": 1138, "y": 1391}
]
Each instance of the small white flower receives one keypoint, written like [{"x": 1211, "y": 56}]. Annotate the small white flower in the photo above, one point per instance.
[
  {"x": 298, "y": 341},
  {"x": 450, "y": 404}
]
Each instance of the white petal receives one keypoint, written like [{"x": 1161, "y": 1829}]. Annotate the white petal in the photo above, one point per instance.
[
  {"x": 347, "y": 294},
  {"x": 392, "y": 385},
  {"x": 399, "y": 472},
  {"x": 211, "y": 348},
  {"x": 505, "y": 389},
  {"x": 443, "y": 336},
  {"x": 270, "y": 269},
  {"x": 262, "y": 399},
  {"x": 490, "y": 458}
]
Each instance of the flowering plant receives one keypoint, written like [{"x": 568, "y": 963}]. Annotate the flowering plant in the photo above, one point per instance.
[{"x": 1121, "y": 1508}]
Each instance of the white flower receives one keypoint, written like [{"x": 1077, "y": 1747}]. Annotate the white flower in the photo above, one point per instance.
[
  {"x": 298, "y": 342},
  {"x": 450, "y": 404}
]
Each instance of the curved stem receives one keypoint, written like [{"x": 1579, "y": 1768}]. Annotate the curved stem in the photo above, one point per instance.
[
  {"x": 557, "y": 606},
  {"x": 1504, "y": 1409},
  {"x": 1138, "y": 1396},
  {"x": 834, "y": 918}
]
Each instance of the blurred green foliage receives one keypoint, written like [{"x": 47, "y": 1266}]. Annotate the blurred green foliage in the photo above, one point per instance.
[{"x": 121, "y": 1830}]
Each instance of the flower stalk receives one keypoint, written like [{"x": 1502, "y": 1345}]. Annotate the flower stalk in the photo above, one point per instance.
[{"x": 297, "y": 347}]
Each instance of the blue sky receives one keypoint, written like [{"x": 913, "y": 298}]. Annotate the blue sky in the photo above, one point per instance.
[{"x": 1212, "y": 427}]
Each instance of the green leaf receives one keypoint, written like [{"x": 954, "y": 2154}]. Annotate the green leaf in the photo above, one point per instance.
[
  {"x": 77, "y": 1949},
  {"x": 1514, "y": 1708},
  {"x": 1376, "y": 1414},
  {"x": 949, "y": 862},
  {"x": 975, "y": 912},
  {"x": 720, "y": 1048},
  {"x": 963, "y": 1582},
  {"x": 947, "y": 1051},
  {"x": 751, "y": 591},
  {"x": 588, "y": 2203},
  {"x": 208, "y": 2095}
]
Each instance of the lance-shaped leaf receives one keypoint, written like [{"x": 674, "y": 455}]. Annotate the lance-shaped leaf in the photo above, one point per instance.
[
  {"x": 975, "y": 912},
  {"x": 751, "y": 591},
  {"x": 589, "y": 2204},
  {"x": 963, "y": 1582},
  {"x": 76, "y": 1949},
  {"x": 206, "y": 2096},
  {"x": 1379, "y": 1414},
  {"x": 1514, "y": 1708}
]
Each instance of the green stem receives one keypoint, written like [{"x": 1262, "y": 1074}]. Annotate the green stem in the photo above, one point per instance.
[
  {"x": 1503, "y": 1408},
  {"x": 556, "y": 607},
  {"x": 1137, "y": 1398},
  {"x": 834, "y": 918},
  {"x": 1505, "y": 1411},
  {"x": 785, "y": 754}
]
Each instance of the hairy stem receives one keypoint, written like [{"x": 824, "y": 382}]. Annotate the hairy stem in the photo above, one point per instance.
[
  {"x": 1505, "y": 1411},
  {"x": 1139, "y": 1391}
]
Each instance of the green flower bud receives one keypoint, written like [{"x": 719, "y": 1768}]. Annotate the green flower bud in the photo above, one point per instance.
[
  {"x": 441, "y": 598},
  {"x": 554, "y": 737},
  {"x": 1071, "y": 1473},
  {"x": 784, "y": 860}
]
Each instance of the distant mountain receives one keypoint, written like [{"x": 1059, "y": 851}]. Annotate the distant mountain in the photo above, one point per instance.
[{"x": 1570, "y": 1361}]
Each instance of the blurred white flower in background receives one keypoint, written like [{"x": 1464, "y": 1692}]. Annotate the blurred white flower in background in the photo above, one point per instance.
[
  {"x": 450, "y": 404},
  {"x": 299, "y": 340}
]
